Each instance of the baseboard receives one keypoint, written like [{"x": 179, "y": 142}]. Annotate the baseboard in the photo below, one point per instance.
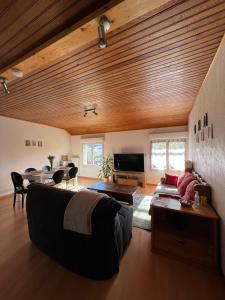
[
  {"x": 85, "y": 177},
  {"x": 6, "y": 196}
]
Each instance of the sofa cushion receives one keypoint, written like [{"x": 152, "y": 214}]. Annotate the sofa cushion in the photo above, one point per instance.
[
  {"x": 167, "y": 189},
  {"x": 190, "y": 193},
  {"x": 171, "y": 179},
  {"x": 186, "y": 180},
  {"x": 180, "y": 179}
]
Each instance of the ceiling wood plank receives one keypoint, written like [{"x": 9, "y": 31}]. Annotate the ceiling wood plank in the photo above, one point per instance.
[
  {"x": 200, "y": 42},
  {"x": 36, "y": 94}
]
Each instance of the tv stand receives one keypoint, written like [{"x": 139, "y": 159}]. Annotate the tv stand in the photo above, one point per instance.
[{"x": 129, "y": 177}]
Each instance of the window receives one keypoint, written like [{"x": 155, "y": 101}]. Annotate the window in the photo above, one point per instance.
[
  {"x": 158, "y": 155},
  {"x": 168, "y": 154},
  {"x": 176, "y": 155},
  {"x": 92, "y": 154}
]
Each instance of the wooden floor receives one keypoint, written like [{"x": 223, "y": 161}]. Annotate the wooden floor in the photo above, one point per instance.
[{"x": 26, "y": 273}]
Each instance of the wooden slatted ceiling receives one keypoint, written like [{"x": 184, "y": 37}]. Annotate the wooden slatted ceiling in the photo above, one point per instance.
[
  {"x": 28, "y": 25},
  {"x": 78, "y": 36},
  {"x": 148, "y": 77}
]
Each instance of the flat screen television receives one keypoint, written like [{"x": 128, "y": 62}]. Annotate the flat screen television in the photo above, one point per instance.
[{"x": 129, "y": 162}]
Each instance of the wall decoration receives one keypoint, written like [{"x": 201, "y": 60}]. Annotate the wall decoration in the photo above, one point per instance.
[
  {"x": 199, "y": 125},
  {"x": 65, "y": 158},
  {"x": 197, "y": 137},
  {"x": 51, "y": 159},
  {"x": 202, "y": 135},
  {"x": 34, "y": 143},
  {"x": 205, "y": 134},
  {"x": 40, "y": 144},
  {"x": 195, "y": 129},
  {"x": 210, "y": 132},
  {"x": 205, "y": 121},
  {"x": 27, "y": 143}
]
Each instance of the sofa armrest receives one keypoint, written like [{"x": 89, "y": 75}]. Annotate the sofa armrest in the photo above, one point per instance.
[
  {"x": 122, "y": 203},
  {"x": 169, "y": 196}
]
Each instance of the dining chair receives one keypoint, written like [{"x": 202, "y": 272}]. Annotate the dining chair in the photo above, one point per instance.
[
  {"x": 57, "y": 178},
  {"x": 46, "y": 168},
  {"x": 71, "y": 165},
  {"x": 71, "y": 175},
  {"x": 19, "y": 189},
  {"x": 28, "y": 170}
]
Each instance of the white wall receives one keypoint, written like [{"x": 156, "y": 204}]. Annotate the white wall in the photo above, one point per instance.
[
  {"x": 209, "y": 156},
  {"x": 14, "y": 156},
  {"x": 136, "y": 141}
]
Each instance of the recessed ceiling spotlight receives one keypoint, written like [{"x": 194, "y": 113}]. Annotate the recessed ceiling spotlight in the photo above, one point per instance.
[
  {"x": 3, "y": 82},
  {"x": 104, "y": 25},
  {"x": 17, "y": 73}
]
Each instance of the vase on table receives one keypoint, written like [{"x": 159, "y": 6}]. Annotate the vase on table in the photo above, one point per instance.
[{"x": 51, "y": 159}]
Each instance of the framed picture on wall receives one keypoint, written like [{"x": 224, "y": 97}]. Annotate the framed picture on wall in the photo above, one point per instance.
[
  {"x": 40, "y": 144},
  {"x": 197, "y": 137},
  {"x": 27, "y": 143},
  {"x": 206, "y": 119},
  {"x": 34, "y": 143},
  {"x": 199, "y": 125},
  {"x": 210, "y": 132},
  {"x": 202, "y": 135},
  {"x": 195, "y": 129}
]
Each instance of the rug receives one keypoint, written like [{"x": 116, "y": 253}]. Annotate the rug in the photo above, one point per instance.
[{"x": 141, "y": 217}]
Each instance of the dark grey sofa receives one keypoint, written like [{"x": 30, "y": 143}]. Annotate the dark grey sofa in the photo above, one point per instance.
[{"x": 96, "y": 256}]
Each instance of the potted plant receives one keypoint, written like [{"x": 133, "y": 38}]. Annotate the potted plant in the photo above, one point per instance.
[{"x": 106, "y": 168}]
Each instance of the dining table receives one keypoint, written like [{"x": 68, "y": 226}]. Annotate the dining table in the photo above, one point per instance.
[{"x": 43, "y": 176}]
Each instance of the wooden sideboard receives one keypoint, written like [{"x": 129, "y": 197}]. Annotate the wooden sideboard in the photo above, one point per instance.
[
  {"x": 190, "y": 234},
  {"x": 132, "y": 178}
]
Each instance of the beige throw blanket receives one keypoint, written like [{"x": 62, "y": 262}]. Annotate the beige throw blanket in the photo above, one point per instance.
[{"x": 77, "y": 216}]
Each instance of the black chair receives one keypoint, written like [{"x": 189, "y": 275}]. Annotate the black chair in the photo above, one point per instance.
[
  {"x": 57, "y": 178},
  {"x": 28, "y": 170},
  {"x": 17, "y": 180},
  {"x": 46, "y": 168},
  {"x": 71, "y": 165},
  {"x": 71, "y": 175}
]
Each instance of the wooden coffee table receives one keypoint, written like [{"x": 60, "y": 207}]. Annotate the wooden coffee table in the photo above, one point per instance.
[{"x": 119, "y": 191}]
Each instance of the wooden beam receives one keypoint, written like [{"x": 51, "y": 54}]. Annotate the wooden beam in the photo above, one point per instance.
[{"x": 124, "y": 12}]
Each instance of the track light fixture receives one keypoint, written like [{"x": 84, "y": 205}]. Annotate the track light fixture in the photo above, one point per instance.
[
  {"x": 93, "y": 110},
  {"x": 3, "y": 82},
  {"x": 104, "y": 25}
]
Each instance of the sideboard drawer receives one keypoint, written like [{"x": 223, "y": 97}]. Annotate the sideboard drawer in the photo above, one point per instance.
[
  {"x": 190, "y": 234},
  {"x": 188, "y": 249}
]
